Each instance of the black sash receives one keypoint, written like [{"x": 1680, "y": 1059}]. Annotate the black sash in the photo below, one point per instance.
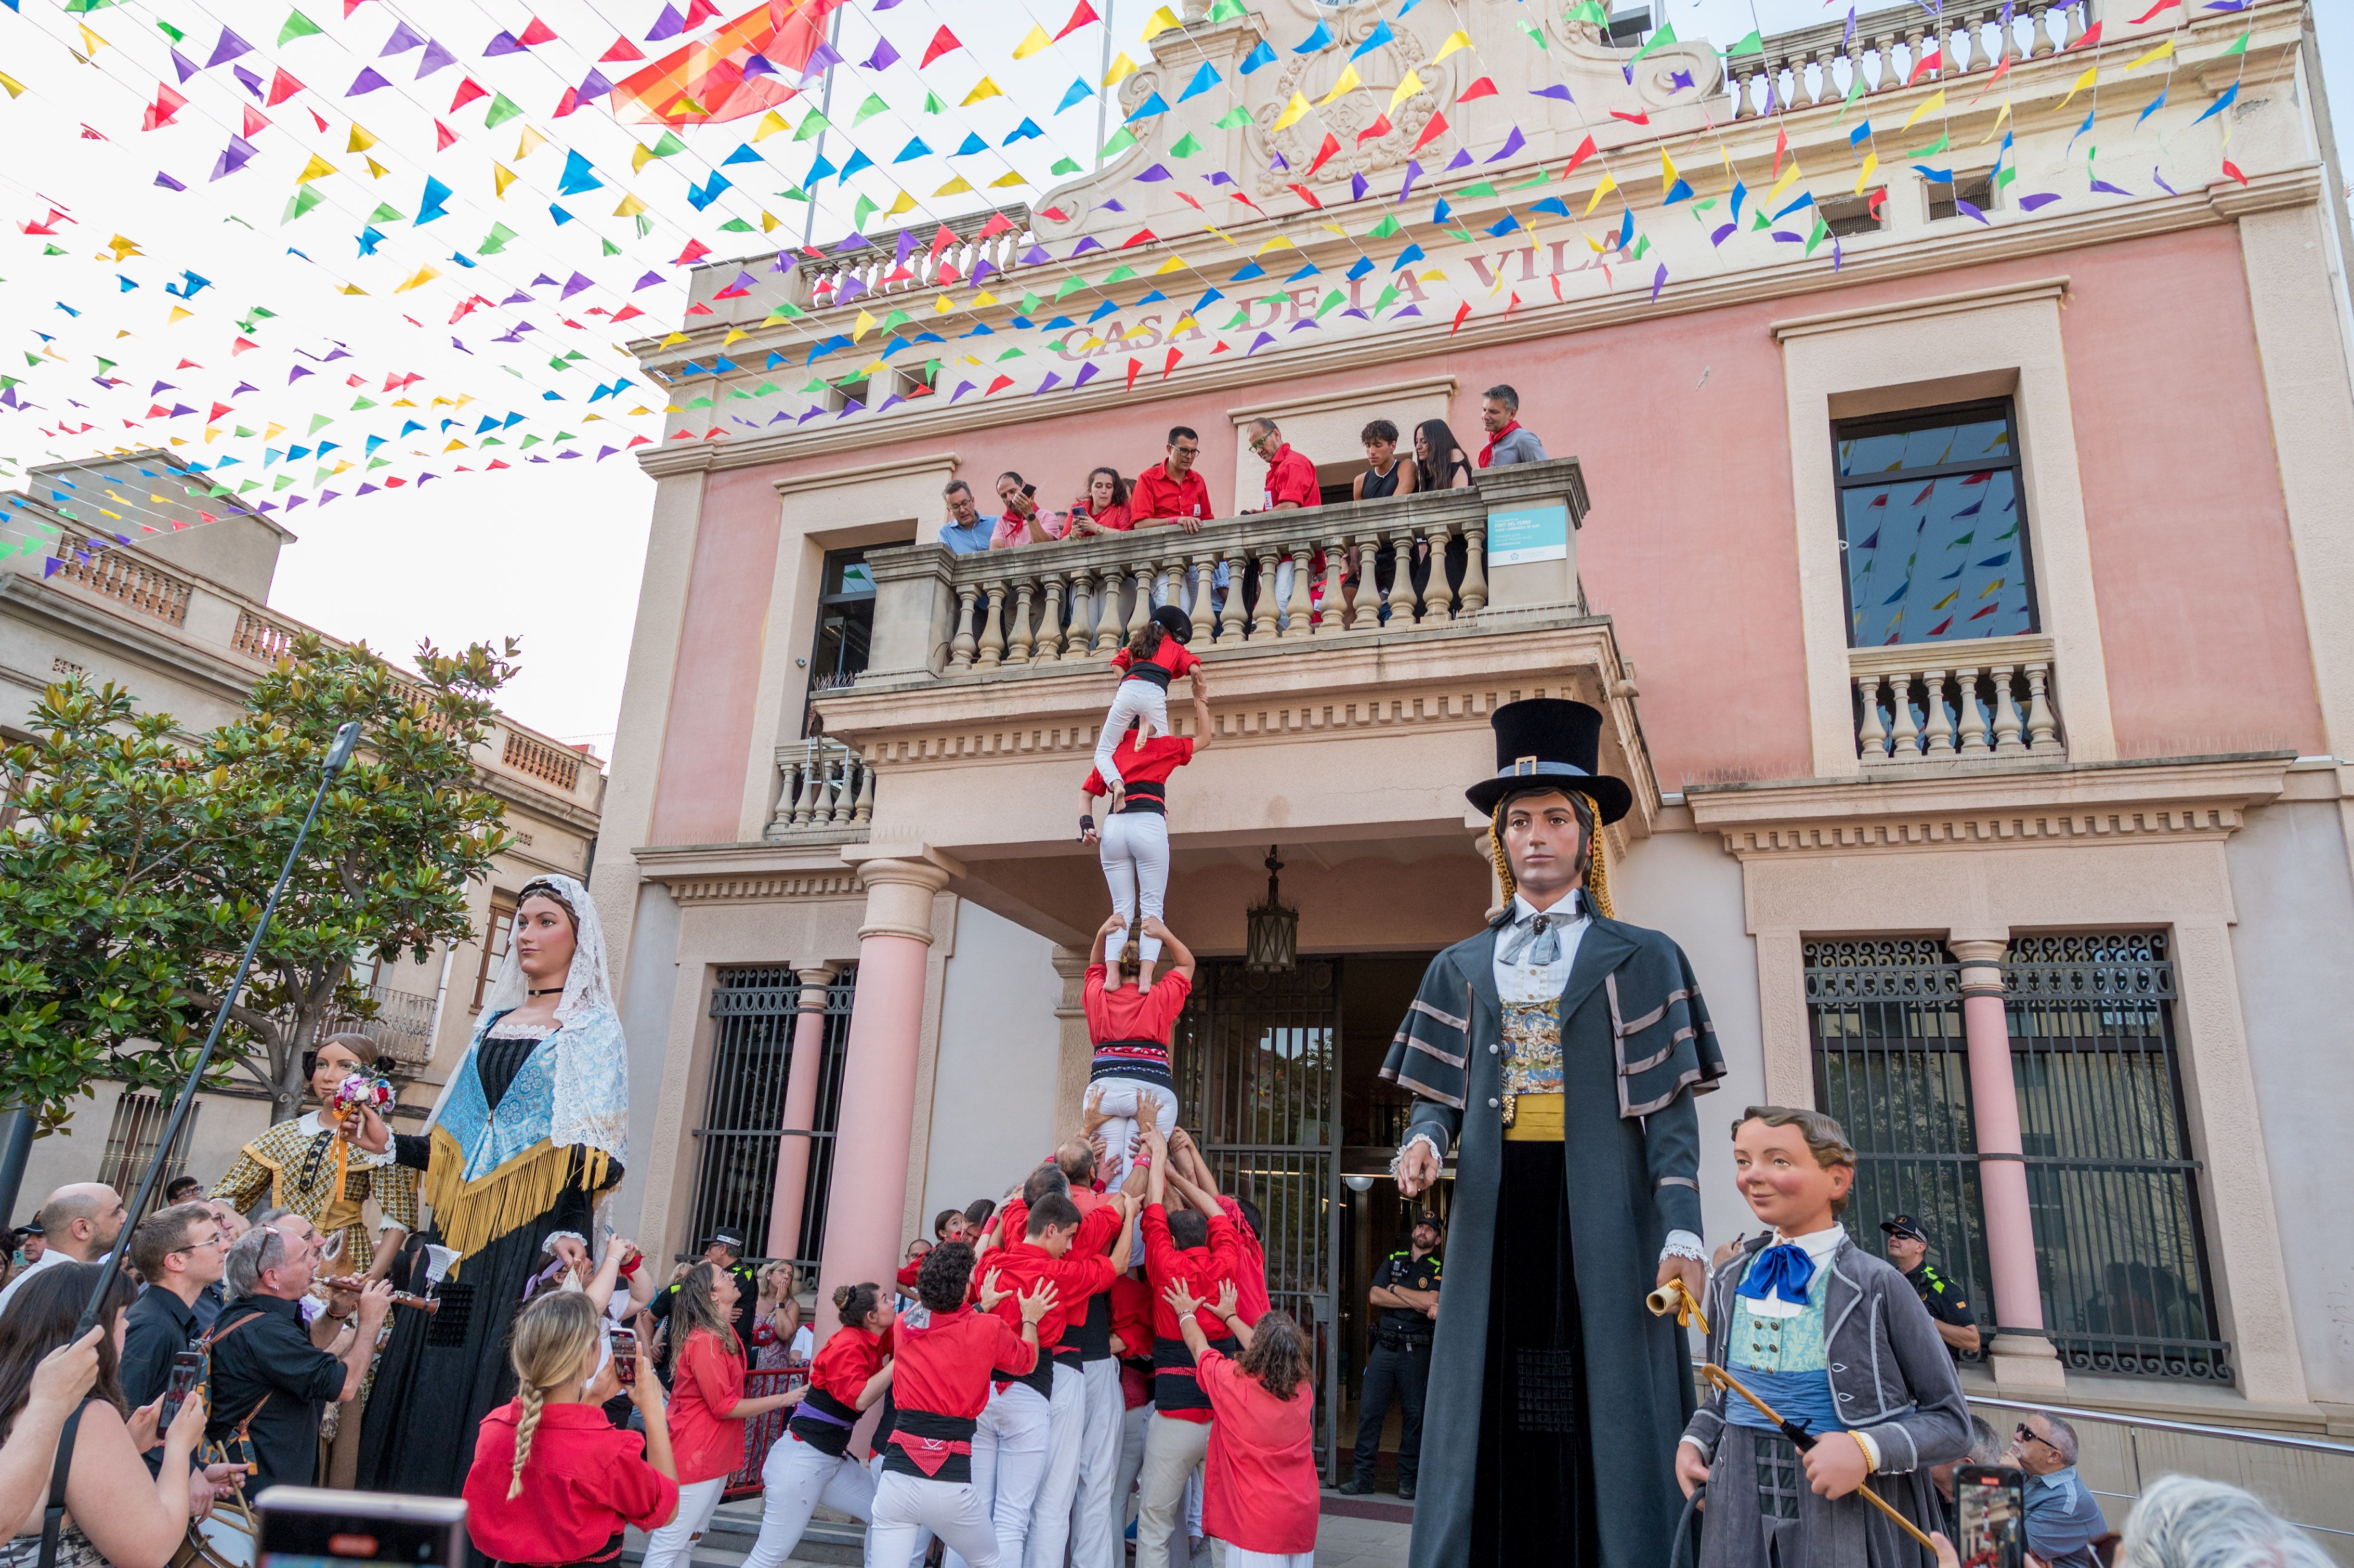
[
  {"x": 1175, "y": 1384},
  {"x": 1145, "y": 670},
  {"x": 823, "y": 1422},
  {"x": 931, "y": 1447}
]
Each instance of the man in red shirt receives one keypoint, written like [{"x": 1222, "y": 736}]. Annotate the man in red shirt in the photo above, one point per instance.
[
  {"x": 1290, "y": 485},
  {"x": 1170, "y": 494},
  {"x": 1199, "y": 1187},
  {"x": 1201, "y": 1251}
]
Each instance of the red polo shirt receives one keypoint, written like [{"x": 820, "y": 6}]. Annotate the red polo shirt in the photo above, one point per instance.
[
  {"x": 1157, "y": 495},
  {"x": 1250, "y": 1269},
  {"x": 848, "y": 1356},
  {"x": 1290, "y": 477},
  {"x": 1203, "y": 1268},
  {"x": 1150, "y": 763},
  {"x": 707, "y": 1381},
  {"x": 1130, "y": 1014},
  {"x": 581, "y": 1483},
  {"x": 946, "y": 1366}
]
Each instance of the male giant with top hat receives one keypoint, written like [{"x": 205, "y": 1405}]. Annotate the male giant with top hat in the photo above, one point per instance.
[{"x": 1555, "y": 1055}]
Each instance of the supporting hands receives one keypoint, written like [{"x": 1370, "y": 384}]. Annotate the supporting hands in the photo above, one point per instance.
[
  {"x": 1036, "y": 1304},
  {"x": 990, "y": 1293}
]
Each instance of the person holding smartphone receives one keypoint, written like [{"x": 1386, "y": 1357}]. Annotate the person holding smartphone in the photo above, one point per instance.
[
  {"x": 1022, "y": 523},
  {"x": 553, "y": 1482}
]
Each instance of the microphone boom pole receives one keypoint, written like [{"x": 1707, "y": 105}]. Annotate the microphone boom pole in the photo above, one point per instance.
[{"x": 347, "y": 737}]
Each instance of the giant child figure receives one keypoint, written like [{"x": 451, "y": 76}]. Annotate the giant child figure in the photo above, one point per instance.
[{"x": 1555, "y": 1055}]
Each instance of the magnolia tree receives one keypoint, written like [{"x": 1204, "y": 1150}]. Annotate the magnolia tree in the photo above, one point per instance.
[{"x": 134, "y": 863}]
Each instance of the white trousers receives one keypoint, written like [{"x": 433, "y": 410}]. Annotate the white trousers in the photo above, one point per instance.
[
  {"x": 1124, "y": 1496},
  {"x": 1050, "y": 1513},
  {"x": 1130, "y": 1103},
  {"x": 1137, "y": 700},
  {"x": 1135, "y": 857},
  {"x": 1009, "y": 1460},
  {"x": 908, "y": 1512},
  {"x": 796, "y": 1477},
  {"x": 1095, "y": 1533},
  {"x": 1242, "y": 1557},
  {"x": 669, "y": 1546},
  {"x": 1173, "y": 1450},
  {"x": 920, "y": 1547}
]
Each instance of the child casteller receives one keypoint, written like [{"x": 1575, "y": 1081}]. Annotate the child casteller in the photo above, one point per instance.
[{"x": 1833, "y": 1340}]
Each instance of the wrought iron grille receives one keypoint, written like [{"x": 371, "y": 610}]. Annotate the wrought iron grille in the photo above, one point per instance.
[
  {"x": 1257, "y": 1063},
  {"x": 1891, "y": 1064},
  {"x": 755, "y": 1012},
  {"x": 2118, "y": 1237},
  {"x": 131, "y": 1141}
]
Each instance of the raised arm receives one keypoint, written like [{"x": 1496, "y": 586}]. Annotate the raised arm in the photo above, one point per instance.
[
  {"x": 1185, "y": 1304},
  {"x": 1243, "y": 1333},
  {"x": 1203, "y": 732},
  {"x": 1184, "y": 964}
]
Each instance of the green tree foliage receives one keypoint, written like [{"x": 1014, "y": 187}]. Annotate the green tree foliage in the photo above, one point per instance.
[{"x": 134, "y": 863}]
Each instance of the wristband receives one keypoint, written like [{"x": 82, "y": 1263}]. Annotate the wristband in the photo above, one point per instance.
[{"x": 1086, "y": 821}]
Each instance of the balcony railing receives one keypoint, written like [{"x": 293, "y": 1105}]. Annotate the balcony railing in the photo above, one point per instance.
[
  {"x": 1801, "y": 68},
  {"x": 401, "y": 1025},
  {"x": 136, "y": 584},
  {"x": 550, "y": 764},
  {"x": 822, "y": 789},
  {"x": 1954, "y": 702}
]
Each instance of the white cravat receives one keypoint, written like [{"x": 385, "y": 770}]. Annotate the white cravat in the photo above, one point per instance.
[{"x": 1524, "y": 978}]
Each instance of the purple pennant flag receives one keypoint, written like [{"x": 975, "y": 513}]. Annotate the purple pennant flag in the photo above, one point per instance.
[
  {"x": 962, "y": 387},
  {"x": 2113, "y": 190},
  {"x": 1555, "y": 90},
  {"x": 883, "y": 5},
  {"x": 1258, "y": 343},
  {"x": 2030, "y": 203},
  {"x": 1112, "y": 205},
  {"x": 367, "y": 81},
  {"x": 594, "y": 85},
  {"x": 1219, "y": 178},
  {"x": 228, "y": 49},
  {"x": 401, "y": 42},
  {"x": 1089, "y": 243},
  {"x": 1413, "y": 173},
  {"x": 2154, "y": 175},
  {"x": 243, "y": 387},
  {"x": 185, "y": 67},
  {"x": 1054, "y": 379},
  {"x": 669, "y": 24},
  {"x": 518, "y": 298},
  {"x": 1681, "y": 78},
  {"x": 325, "y": 496},
  {"x": 648, "y": 282},
  {"x": 1035, "y": 255},
  {"x": 604, "y": 452},
  {"x": 1087, "y": 373},
  {"x": 543, "y": 281},
  {"x": 297, "y": 373},
  {"x": 981, "y": 269},
  {"x": 883, "y": 58},
  {"x": 1357, "y": 187},
  {"x": 1153, "y": 174},
  {"x": 245, "y": 78},
  {"x": 1462, "y": 159},
  {"x": 851, "y": 289},
  {"x": 757, "y": 65},
  {"x": 821, "y": 59},
  {"x": 1660, "y": 280},
  {"x": 575, "y": 283},
  {"x": 907, "y": 244},
  {"x": 1513, "y": 143},
  {"x": 855, "y": 241},
  {"x": 813, "y": 414},
  {"x": 292, "y": 502},
  {"x": 167, "y": 182},
  {"x": 434, "y": 57},
  {"x": 363, "y": 490},
  {"x": 503, "y": 43},
  {"x": 235, "y": 156}
]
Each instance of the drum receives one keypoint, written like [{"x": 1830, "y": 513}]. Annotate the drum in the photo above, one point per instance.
[{"x": 230, "y": 1537}]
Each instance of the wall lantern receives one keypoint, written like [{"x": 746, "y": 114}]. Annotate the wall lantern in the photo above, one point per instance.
[{"x": 1274, "y": 930}]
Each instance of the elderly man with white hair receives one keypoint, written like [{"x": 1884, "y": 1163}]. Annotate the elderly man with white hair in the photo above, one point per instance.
[{"x": 2063, "y": 1517}]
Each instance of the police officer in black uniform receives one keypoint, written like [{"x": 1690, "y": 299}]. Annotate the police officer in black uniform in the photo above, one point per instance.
[
  {"x": 1406, "y": 1289},
  {"x": 1908, "y": 1248}
]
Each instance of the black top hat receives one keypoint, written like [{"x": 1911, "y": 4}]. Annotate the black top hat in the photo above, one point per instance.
[
  {"x": 1550, "y": 740},
  {"x": 1901, "y": 1226},
  {"x": 1175, "y": 622}
]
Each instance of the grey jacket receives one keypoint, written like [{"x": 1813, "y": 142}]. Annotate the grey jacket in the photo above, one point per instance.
[
  {"x": 1888, "y": 1370},
  {"x": 1520, "y": 446}
]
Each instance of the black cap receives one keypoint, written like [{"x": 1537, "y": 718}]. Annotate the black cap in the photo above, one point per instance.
[
  {"x": 1175, "y": 622},
  {"x": 1430, "y": 1217},
  {"x": 727, "y": 1239},
  {"x": 1901, "y": 1226},
  {"x": 1550, "y": 740},
  {"x": 33, "y": 1228}
]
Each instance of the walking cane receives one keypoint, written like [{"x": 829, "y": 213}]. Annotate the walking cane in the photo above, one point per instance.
[{"x": 1805, "y": 1439}]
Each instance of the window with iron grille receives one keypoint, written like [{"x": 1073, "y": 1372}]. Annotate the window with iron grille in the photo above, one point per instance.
[
  {"x": 2120, "y": 1242},
  {"x": 756, "y": 1011},
  {"x": 131, "y": 1141},
  {"x": 496, "y": 929}
]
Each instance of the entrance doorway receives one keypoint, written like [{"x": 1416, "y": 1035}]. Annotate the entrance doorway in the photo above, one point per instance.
[{"x": 1279, "y": 1078}]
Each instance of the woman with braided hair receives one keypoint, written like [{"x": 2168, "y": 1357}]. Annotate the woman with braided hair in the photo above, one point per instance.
[
  {"x": 553, "y": 1480},
  {"x": 1555, "y": 1056}
]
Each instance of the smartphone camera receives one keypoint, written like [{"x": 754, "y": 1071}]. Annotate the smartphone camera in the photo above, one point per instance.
[
  {"x": 625, "y": 1356},
  {"x": 312, "y": 1527},
  {"x": 1991, "y": 1501},
  {"x": 186, "y": 1367}
]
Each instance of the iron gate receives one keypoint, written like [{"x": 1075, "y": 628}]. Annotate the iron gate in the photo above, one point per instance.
[
  {"x": 1256, "y": 1061},
  {"x": 756, "y": 1011}
]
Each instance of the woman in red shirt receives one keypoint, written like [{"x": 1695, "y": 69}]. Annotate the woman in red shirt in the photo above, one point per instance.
[
  {"x": 553, "y": 1480},
  {"x": 811, "y": 1464},
  {"x": 1105, "y": 509},
  {"x": 1135, "y": 834},
  {"x": 708, "y": 1408},
  {"x": 1259, "y": 1488},
  {"x": 1153, "y": 657}
]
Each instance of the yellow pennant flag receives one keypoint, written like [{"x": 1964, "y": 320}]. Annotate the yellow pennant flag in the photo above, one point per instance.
[
  {"x": 424, "y": 275},
  {"x": 1999, "y": 116},
  {"x": 1159, "y": 22},
  {"x": 1929, "y": 105},
  {"x": 1007, "y": 182},
  {"x": 90, "y": 42},
  {"x": 502, "y": 177},
  {"x": 1666, "y": 172},
  {"x": 771, "y": 123},
  {"x": 317, "y": 168},
  {"x": 375, "y": 170},
  {"x": 1789, "y": 177},
  {"x": 1407, "y": 88},
  {"x": 1035, "y": 41},
  {"x": 1871, "y": 162},
  {"x": 1277, "y": 243},
  {"x": 360, "y": 142},
  {"x": 863, "y": 325},
  {"x": 1174, "y": 264},
  {"x": 983, "y": 89},
  {"x": 16, "y": 89},
  {"x": 525, "y": 143},
  {"x": 1349, "y": 82},
  {"x": 905, "y": 204},
  {"x": 981, "y": 301},
  {"x": 1122, "y": 67},
  {"x": 2163, "y": 51},
  {"x": 945, "y": 305},
  {"x": 769, "y": 222},
  {"x": 733, "y": 334},
  {"x": 640, "y": 157},
  {"x": 1604, "y": 188},
  {"x": 1292, "y": 112},
  {"x": 2083, "y": 82},
  {"x": 630, "y": 206},
  {"x": 956, "y": 186},
  {"x": 1455, "y": 40}
]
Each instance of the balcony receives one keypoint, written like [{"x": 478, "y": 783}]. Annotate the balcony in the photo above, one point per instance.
[
  {"x": 1885, "y": 49},
  {"x": 1921, "y": 704},
  {"x": 825, "y": 794},
  {"x": 399, "y": 1022}
]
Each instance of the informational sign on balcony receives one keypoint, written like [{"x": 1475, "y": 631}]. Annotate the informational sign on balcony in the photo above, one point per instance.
[{"x": 1521, "y": 534}]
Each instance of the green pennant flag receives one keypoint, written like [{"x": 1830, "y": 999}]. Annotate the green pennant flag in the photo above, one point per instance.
[
  {"x": 1754, "y": 44},
  {"x": 385, "y": 213},
  {"x": 1233, "y": 119},
  {"x": 897, "y": 318},
  {"x": 1226, "y": 10},
  {"x": 1537, "y": 35},
  {"x": 866, "y": 204},
  {"x": 1065, "y": 165},
  {"x": 502, "y": 109},
  {"x": 1069, "y": 286},
  {"x": 170, "y": 31},
  {"x": 1119, "y": 274},
  {"x": 1388, "y": 226},
  {"x": 933, "y": 103},
  {"x": 1476, "y": 188},
  {"x": 1332, "y": 300},
  {"x": 2239, "y": 45},
  {"x": 611, "y": 248},
  {"x": 736, "y": 225},
  {"x": 868, "y": 109},
  {"x": 297, "y": 26},
  {"x": 1538, "y": 178},
  {"x": 1382, "y": 303},
  {"x": 1666, "y": 34},
  {"x": 1185, "y": 146},
  {"x": 1933, "y": 148},
  {"x": 1030, "y": 303},
  {"x": 668, "y": 147},
  {"x": 1854, "y": 91},
  {"x": 302, "y": 201},
  {"x": 1588, "y": 11},
  {"x": 1242, "y": 318},
  {"x": 1120, "y": 143},
  {"x": 495, "y": 240},
  {"x": 1821, "y": 229},
  {"x": 811, "y": 127}
]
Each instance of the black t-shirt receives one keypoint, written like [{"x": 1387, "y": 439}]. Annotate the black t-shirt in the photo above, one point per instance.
[
  {"x": 1943, "y": 1298},
  {"x": 265, "y": 1367},
  {"x": 157, "y": 1328},
  {"x": 1402, "y": 1270},
  {"x": 747, "y": 1304}
]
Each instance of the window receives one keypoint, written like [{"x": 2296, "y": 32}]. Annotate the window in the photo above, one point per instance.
[
  {"x": 845, "y": 620},
  {"x": 495, "y": 932},
  {"x": 1977, "y": 190},
  {"x": 1850, "y": 216},
  {"x": 131, "y": 1141},
  {"x": 1933, "y": 526}
]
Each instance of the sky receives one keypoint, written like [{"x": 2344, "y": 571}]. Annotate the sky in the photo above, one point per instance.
[{"x": 548, "y": 552}]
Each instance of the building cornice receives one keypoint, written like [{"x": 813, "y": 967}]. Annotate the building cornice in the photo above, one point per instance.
[
  {"x": 1915, "y": 310},
  {"x": 1350, "y": 397},
  {"x": 908, "y": 468}
]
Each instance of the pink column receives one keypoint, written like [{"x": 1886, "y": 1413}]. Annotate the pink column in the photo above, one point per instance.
[
  {"x": 868, "y": 1198},
  {"x": 800, "y": 1109},
  {"x": 2018, "y": 1358}
]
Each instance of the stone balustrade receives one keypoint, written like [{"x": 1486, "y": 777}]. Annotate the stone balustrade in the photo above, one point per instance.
[
  {"x": 1821, "y": 64},
  {"x": 1954, "y": 702},
  {"x": 132, "y": 581},
  {"x": 840, "y": 275},
  {"x": 824, "y": 788}
]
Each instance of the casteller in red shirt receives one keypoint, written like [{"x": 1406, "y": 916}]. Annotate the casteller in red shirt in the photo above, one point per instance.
[
  {"x": 708, "y": 1378},
  {"x": 1171, "y": 660},
  {"x": 1292, "y": 477},
  {"x": 941, "y": 1383},
  {"x": 1250, "y": 1265},
  {"x": 582, "y": 1482},
  {"x": 838, "y": 1375},
  {"x": 1204, "y": 1269},
  {"x": 1259, "y": 1491},
  {"x": 1156, "y": 495},
  {"x": 1144, "y": 769},
  {"x": 1081, "y": 1272}
]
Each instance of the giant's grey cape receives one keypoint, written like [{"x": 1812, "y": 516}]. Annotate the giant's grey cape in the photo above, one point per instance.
[{"x": 1636, "y": 1044}]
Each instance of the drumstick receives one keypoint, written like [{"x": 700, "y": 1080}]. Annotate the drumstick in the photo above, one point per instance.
[{"x": 1805, "y": 1439}]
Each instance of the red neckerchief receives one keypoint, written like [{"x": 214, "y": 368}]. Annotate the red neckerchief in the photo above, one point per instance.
[{"x": 1489, "y": 450}]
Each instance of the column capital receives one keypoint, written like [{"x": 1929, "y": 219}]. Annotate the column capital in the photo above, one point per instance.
[
  {"x": 817, "y": 975},
  {"x": 1983, "y": 955},
  {"x": 899, "y": 898}
]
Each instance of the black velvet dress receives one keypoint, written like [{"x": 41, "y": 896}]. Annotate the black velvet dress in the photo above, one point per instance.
[{"x": 441, "y": 1375}]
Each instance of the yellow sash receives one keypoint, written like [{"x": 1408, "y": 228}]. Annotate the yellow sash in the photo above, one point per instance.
[{"x": 1536, "y": 1118}]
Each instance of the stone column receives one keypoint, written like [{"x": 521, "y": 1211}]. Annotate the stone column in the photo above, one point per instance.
[
  {"x": 1075, "y": 1055},
  {"x": 878, "y": 1085},
  {"x": 802, "y": 1075},
  {"x": 2021, "y": 1358}
]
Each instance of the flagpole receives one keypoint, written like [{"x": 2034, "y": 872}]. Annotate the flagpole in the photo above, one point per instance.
[
  {"x": 1103, "y": 90},
  {"x": 825, "y": 110}
]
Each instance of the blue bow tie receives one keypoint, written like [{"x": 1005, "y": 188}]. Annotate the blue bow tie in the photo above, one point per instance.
[
  {"x": 1543, "y": 930},
  {"x": 1783, "y": 1270}
]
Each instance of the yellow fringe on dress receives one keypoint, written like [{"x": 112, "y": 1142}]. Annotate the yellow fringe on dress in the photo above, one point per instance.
[
  {"x": 1597, "y": 862},
  {"x": 472, "y": 1214}
]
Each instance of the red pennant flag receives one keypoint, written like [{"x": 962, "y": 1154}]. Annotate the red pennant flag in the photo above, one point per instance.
[
  {"x": 2092, "y": 36},
  {"x": 282, "y": 87},
  {"x": 998, "y": 223},
  {"x": 2232, "y": 169},
  {"x": 1781, "y": 146},
  {"x": 1483, "y": 88},
  {"x": 468, "y": 91},
  {"x": 1000, "y": 384},
  {"x": 349, "y": 6},
  {"x": 240, "y": 347},
  {"x": 568, "y": 103},
  {"x": 622, "y": 49},
  {"x": 2152, "y": 11},
  {"x": 317, "y": 118},
  {"x": 695, "y": 250},
  {"x": 1460, "y": 312},
  {"x": 942, "y": 42},
  {"x": 1058, "y": 215},
  {"x": 698, "y": 13},
  {"x": 941, "y": 241},
  {"x": 218, "y": 410},
  {"x": 538, "y": 32},
  {"x": 1133, "y": 366},
  {"x": 1331, "y": 146},
  {"x": 1431, "y": 132},
  {"x": 1638, "y": 118},
  {"x": 442, "y": 137},
  {"x": 1141, "y": 236},
  {"x": 1171, "y": 363},
  {"x": 1872, "y": 207},
  {"x": 1083, "y": 17},
  {"x": 1304, "y": 194},
  {"x": 1584, "y": 151},
  {"x": 167, "y": 103},
  {"x": 626, "y": 311},
  {"x": 254, "y": 122},
  {"x": 1380, "y": 127},
  {"x": 707, "y": 80},
  {"x": 1929, "y": 62},
  {"x": 1513, "y": 303}
]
